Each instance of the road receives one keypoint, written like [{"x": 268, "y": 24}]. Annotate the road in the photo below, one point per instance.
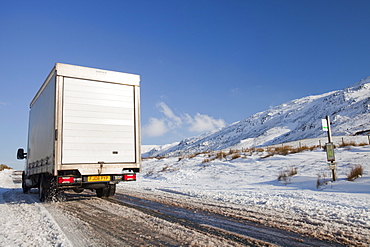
[
  {"x": 143, "y": 218},
  {"x": 127, "y": 220}
]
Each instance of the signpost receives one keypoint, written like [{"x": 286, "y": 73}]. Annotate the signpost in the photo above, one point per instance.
[
  {"x": 324, "y": 125},
  {"x": 329, "y": 147},
  {"x": 330, "y": 151}
]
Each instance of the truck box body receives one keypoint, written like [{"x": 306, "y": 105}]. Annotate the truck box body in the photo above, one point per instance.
[{"x": 86, "y": 120}]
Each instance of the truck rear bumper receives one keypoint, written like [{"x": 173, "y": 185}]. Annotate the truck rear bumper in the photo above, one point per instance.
[{"x": 93, "y": 181}]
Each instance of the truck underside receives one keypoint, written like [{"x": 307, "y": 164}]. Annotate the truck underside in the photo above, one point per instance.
[{"x": 51, "y": 187}]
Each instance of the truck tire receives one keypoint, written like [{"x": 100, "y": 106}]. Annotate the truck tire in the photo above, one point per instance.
[
  {"x": 107, "y": 191},
  {"x": 25, "y": 189},
  {"x": 102, "y": 192},
  {"x": 47, "y": 188},
  {"x": 42, "y": 188},
  {"x": 78, "y": 190},
  {"x": 111, "y": 190}
]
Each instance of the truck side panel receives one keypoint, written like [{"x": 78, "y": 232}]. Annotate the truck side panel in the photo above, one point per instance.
[{"x": 41, "y": 137}]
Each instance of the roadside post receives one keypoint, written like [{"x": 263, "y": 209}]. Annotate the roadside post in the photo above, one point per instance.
[{"x": 330, "y": 147}]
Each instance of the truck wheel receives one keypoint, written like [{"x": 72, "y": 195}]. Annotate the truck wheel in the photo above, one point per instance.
[
  {"x": 103, "y": 192},
  {"x": 46, "y": 188},
  {"x": 52, "y": 192},
  {"x": 42, "y": 190},
  {"x": 25, "y": 189},
  {"x": 111, "y": 190},
  {"x": 78, "y": 190},
  {"x": 107, "y": 191}
]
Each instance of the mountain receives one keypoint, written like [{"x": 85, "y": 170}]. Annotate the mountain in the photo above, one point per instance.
[{"x": 349, "y": 111}]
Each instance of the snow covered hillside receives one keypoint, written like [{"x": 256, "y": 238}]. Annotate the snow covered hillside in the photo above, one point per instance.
[{"x": 349, "y": 110}]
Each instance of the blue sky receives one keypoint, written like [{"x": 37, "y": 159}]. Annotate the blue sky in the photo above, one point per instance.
[{"x": 203, "y": 63}]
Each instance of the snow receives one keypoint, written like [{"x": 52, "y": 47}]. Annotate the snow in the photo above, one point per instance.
[
  {"x": 349, "y": 111},
  {"x": 247, "y": 183},
  {"x": 341, "y": 207},
  {"x": 25, "y": 222}
]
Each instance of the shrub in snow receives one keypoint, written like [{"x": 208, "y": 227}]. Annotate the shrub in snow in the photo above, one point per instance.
[
  {"x": 287, "y": 174},
  {"x": 233, "y": 151},
  {"x": 356, "y": 172},
  {"x": 235, "y": 156},
  {"x": 3, "y": 167},
  {"x": 322, "y": 179},
  {"x": 285, "y": 150},
  {"x": 221, "y": 155},
  {"x": 206, "y": 160}
]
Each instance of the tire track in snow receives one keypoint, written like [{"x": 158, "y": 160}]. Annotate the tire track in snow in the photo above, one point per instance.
[
  {"x": 112, "y": 224},
  {"x": 234, "y": 229}
]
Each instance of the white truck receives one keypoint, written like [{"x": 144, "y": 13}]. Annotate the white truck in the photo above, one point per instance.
[{"x": 84, "y": 132}]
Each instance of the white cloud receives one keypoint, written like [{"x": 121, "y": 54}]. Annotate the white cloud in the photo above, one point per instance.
[
  {"x": 203, "y": 123},
  {"x": 155, "y": 128},
  {"x": 170, "y": 122}
]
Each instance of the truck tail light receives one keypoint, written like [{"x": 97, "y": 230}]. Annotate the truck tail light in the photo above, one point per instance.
[
  {"x": 129, "y": 177},
  {"x": 66, "y": 180}
]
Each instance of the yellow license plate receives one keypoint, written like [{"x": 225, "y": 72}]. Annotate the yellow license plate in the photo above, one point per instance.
[{"x": 98, "y": 178}]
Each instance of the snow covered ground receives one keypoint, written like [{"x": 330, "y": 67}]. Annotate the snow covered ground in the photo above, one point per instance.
[
  {"x": 24, "y": 221},
  {"x": 340, "y": 208}
]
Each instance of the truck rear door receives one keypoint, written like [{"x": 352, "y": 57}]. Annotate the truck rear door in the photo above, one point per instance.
[{"x": 98, "y": 122}]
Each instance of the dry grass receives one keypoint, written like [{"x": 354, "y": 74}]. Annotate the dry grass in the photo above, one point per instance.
[
  {"x": 3, "y": 167},
  {"x": 305, "y": 148},
  {"x": 362, "y": 144},
  {"x": 233, "y": 151},
  {"x": 285, "y": 150},
  {"x": 190, "y": 156},
  {"x": 148, "y": 158},
  {"x": 351, "y": 143},
  {"x": 287, "y": 174},
  {"x": 322, "y": 179},
  {"x": 206, "y": 161},
  {"x": 235, "y": 156},
  {"x": 221, "y": 155},
  {"x": 356, "y": 172},
  {"x": 167, "y": 168},
  {"x": 267, "y": 151},
  {"x": 346, "y": 144}
]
